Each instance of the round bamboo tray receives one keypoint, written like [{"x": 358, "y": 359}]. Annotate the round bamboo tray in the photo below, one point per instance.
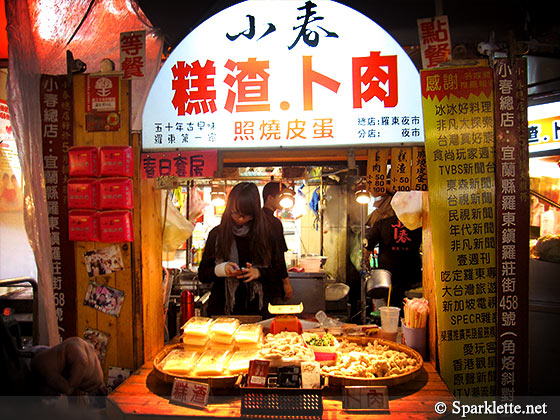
[
  {"x": 340, "y": 381},
  {"x": 215, "y": 382}
]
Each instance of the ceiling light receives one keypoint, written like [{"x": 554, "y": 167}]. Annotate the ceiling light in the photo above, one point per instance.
[
  {"x": 287, "y": 198},
  {"x": 361, "y": 194},
  {"x": 218, "y": 195}
]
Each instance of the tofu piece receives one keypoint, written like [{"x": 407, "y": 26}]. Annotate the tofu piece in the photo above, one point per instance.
[
  {"x": 179, "y": 362},
  {"x": 239, "y": 362},
  {"x": 194, "y": 340},
  {"x": 197, "y": 325},
  {"x": 212, "y": 363},
  {"x": 224, "y": 326},
  {"x": 249, "y": 334}
]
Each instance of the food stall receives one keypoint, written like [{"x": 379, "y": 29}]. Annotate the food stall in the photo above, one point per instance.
[
  {"x": 341, "y": 130},
  {"x": 223, "y": 376}
]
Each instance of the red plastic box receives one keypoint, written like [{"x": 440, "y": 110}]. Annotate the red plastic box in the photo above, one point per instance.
[
  {"x": 115, "y": 193},
  {"x": 116, "y": 226},
  {"x": 116, "y": 161},
  {"x": 83, "y": 225},
  {"x": 83, "y": 193},
  {"x": 83, "y": 161}
]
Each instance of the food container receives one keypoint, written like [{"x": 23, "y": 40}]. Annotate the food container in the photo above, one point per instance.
[
  {"x": 179, "y": 361},
  {"x": 311, "y": 263},
  {"x": 378, "y": 283},
  {"x": 239, "y": 362},
  {"x": 308, "y": 337},
  {"x": 212, "y": 363},
  {"x": 197, "y": 326}
]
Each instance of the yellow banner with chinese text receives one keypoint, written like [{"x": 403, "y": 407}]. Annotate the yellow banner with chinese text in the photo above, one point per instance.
[{"x": 459, "y": 126}]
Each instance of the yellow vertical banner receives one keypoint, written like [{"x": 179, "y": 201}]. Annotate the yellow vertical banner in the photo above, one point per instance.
[
  {"x": 459, "y": 126},
  {"x": 419, "y": 169},
  {"x": 401, "y": 168},
  {"x": 376, "y": 178}
]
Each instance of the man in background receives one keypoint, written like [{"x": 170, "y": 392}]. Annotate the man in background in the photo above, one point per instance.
[{"x": 280, "y": 290}]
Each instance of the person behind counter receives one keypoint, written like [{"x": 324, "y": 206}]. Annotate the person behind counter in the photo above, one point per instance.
[
  {"x": 238, "y": 258},
  {"x": 281, "y": 289},
  {"x": 399, "y": 248}
]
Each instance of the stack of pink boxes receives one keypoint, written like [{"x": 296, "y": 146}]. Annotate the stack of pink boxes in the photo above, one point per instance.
[{"x": 100, "y": 193}]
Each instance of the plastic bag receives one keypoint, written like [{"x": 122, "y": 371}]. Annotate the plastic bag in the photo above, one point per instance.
[
  {"x": 177, "y": 229},
  {"x": 408, "y": 208},
  {"x": 547, "y": 248},
  {"x": 356, "y": 252}
]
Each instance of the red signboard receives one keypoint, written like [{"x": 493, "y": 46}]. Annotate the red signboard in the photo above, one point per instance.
[
  {"x": 102, "y": 93},
  {"x": 56, "y": 121},
  {"x": 199, "y": 164},
  {"x": 133, "y": 54},
  {"x": 435, "y": 41}
]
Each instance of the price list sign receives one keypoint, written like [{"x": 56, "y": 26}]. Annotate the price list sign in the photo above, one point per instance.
[
  {"x": 512, "y": 215},
  {"x": 459, "y": 123},
  {"x": 377, "y": 171}
]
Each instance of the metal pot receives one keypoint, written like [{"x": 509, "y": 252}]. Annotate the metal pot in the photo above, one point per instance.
[
  {"x": 377, "y": 283},
  {"x": 336, "y": 291}
]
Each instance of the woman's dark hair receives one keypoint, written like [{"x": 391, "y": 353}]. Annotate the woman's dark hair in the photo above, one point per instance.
[{"x": 244, "y": 199}]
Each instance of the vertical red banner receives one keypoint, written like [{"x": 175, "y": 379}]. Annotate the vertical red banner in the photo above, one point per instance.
[
  {"x": 56, "y": 127},
  {"x": 512, "y": 221}
]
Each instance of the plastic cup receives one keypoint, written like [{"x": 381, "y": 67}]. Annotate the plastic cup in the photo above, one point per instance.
[
  {"x": 389, "y": 318},
  {"x": 415, "y": 338}
]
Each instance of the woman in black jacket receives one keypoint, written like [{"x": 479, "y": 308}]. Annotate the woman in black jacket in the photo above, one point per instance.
[{"x": 239, "y": 257}]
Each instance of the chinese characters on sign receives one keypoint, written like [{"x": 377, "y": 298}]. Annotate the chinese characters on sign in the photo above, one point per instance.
[
  {"x": 512, "y": 215},
  {"x": 544, "y": 127},
  {"x": 190, "y": 393},
  {"x": 435, "y": 41},
  {"x": 377, "y": 171},
  {"x": 365, "y": 398},
  {"x": 201, "y": 164},
  {"x": 133, "y": 54},
  {"x": 401, "y": 168},
  {"x": 419, "y": 174},
  {"x": 408, "y": 167},
  {"x": 458, "y": 109},
  {"x": 292, "y": 80},
  {"x": 57, "y": 133}
]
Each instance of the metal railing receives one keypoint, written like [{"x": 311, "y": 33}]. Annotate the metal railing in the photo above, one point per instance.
[{"x": 34, "y": 285}]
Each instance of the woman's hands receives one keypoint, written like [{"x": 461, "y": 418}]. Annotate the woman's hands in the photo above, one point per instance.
[{"x": 247, "y": 274}]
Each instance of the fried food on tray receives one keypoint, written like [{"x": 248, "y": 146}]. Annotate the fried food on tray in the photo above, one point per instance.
[
  {"x": 285, "y": 345},
  {"x": 372, "y": 361}
]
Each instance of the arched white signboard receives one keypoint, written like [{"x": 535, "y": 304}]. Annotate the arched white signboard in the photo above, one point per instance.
[{"x": 270, "y": 74}]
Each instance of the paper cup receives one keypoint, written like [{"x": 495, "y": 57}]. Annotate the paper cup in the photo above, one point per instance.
[
  {"x": 415, "y": 338},
  {"x": 389, "y": 318}
]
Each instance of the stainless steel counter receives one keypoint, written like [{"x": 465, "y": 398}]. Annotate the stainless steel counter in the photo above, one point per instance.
[{"x": 309, "y": 288}]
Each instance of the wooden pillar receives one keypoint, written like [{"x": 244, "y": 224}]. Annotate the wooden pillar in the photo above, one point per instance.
[
  {"x": 428, "y": 280},
  {"x": 136, "y": 334}
]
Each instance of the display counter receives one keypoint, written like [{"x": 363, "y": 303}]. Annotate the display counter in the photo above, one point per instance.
[{"x": 144, "y": 396}]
